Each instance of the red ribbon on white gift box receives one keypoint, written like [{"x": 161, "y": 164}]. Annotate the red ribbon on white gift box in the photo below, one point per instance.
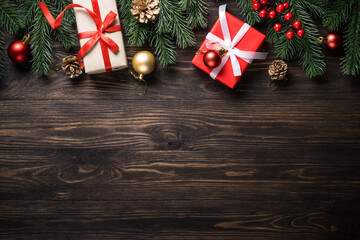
[
  {"x": 95, "y": 36},
  {"x": 232, "y": 52}
]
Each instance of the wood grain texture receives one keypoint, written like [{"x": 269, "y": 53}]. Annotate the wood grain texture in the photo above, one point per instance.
[{"x": 192, "y": 159}]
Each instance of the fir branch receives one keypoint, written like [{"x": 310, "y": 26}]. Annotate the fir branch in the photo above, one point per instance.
[
  {"x": 196, "y": 11},
  {"x": 251, "y": 16},
  {"x": 41, "y": 49},
  {"x": 164, "y": 48},
  {"x": 337, "y": 13},
  {"x": 64, "y": 34},
  {"x": 10, "y": 17},
  {"x": 137, "y": 32},
  {"x": 171, "y": 20},
  {"x": 2, "y": 55},
  {"x": 28, "y": 8},
  {"x": 310, "y": 51},
  {"x": 351, "y": 62}
]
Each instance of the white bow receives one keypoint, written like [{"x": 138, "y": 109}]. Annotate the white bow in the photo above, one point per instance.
[{"x": 231, "y": 51}]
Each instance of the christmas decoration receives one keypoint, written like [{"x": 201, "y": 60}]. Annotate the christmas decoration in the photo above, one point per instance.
[
  {"x": 145, "y": 10},
  {"x": 277, "y": 72},
  {"x": 71, "y": 67},
  {"x": 345, "y": 15},
  {"x": 143, "y": 63},
  {"x": 284, "y": 31},
  {"x": 300, "y": 32},
  {"x": 333, "y": 40},
  {"x": 290, "y": 34},
  {"x": 241, "y": 50},
  {"x": 19, "y": 51},
  {"x": 174, "y": 27},
  {"x": 212, "y": 59},
  {"x": 297, "y": 25},
  {"x": 288, "y": 16},
  {"x": 10, "y": 21},
  {"x": 104, "y": 40},
  {"x": 277, "y": 27}
]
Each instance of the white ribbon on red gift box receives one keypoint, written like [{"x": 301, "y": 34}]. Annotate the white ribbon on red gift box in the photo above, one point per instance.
[{"x": 229, "y": 45}]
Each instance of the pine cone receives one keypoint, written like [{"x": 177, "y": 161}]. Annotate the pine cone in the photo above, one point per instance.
[
  {"x": 278, "y": 70},
  {"x": 145, "y": 10},
  {"x": 71, "y": 67}
]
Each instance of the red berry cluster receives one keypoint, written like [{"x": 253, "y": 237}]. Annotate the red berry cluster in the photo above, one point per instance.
[{"x": 268, "y": 11}]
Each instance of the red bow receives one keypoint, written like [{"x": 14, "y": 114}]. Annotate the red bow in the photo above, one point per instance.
[{"x": 95, "y": 36}]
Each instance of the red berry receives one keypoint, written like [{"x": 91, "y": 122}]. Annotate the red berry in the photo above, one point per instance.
[
  {"x": 272, "y": 14},
  {"x": 288, "y": 16},
  {"x": 264, "y": 2},
  {"x": 290, "y": 34},
  {"x": 300, "y": 33},
  {"x": 297, "y": 25},
  {"x": 256, "y": 6},
  {"x": 263, "y": 13},
  {"x": 277, "y": 27},
  {"x": 280, "y": 8},
  {"x": 286, "y": 5},
  {"x": 253, "y": 1}
]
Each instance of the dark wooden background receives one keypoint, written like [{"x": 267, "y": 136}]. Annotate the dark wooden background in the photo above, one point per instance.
[{"x": 193, "y": 159}]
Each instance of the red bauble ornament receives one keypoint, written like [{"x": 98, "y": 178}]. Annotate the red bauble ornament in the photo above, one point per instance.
[
  {"x": 263, "y": 13},
  {"x": 300, "y": 32},
  {"x": 280, "y": 8},
  {"x": 297, "y": 25},
  {"x": 286, "y": 5},
  {"x": 212, "y": 59},
  {"x": 333, "y": 41},
  {"x": 290, "y": 34},
  {"x": 288, "y": 16},
  {"x": 256, "y": 6},
  {"x": 253, "y": 1},
  {"x": 277, "y": 27},
  {"x": 272, "y": 14},
  {"x": 19, "y": 51},
  {"x": 264, "y": 2}
]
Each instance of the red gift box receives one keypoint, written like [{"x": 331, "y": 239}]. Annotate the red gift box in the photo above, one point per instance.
[{"x": 251, "y": 41}]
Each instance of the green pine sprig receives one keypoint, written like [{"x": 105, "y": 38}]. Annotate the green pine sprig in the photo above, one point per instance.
[
  {"x": 173, "y": 21},
  {"x": 41, "y": 44},
  {"x": 173, "y": 28},
  {"x": 196, "y": 11},
  {"x": 345, "y": 14},
  {"x": 308, "y": 49},
  {"x": 10, "y": 16}
]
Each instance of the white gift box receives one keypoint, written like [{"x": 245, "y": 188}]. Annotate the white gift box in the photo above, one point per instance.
[{"x": 94, "y": 58}]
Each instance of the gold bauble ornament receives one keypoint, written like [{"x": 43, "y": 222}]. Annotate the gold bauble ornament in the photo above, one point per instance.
[{"x": 144, "y": 63}]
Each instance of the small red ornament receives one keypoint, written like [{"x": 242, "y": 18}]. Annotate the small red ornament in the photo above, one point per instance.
[
  {"x": 300, "y": 32},
  {"x": 333, "y": 41},
  {"x": 19, "y": 51},
  {"x": 290, "y": 34},
  {"x": 212, "y": 59},
  {"x": 272, "y": 14},
  {"x": 253, "y": 1},
  {"x": 288, "y": 16},
  {"x": 256, "y": 6},
  {"x": 264, "y": 2},
  {"x": 286, "y": 5},
  {"x": 280, "y": 8},
  {"x": 277, "y": 27},
  {"x": 297, "y": 25},
  {"x": 263, "y": 13}
]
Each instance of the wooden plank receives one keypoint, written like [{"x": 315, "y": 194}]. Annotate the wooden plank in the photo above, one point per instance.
[
  {"x": 175, "y": 220},
  {"x": 116, "y": 175},
  {"x": 179, "y": 125}
]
